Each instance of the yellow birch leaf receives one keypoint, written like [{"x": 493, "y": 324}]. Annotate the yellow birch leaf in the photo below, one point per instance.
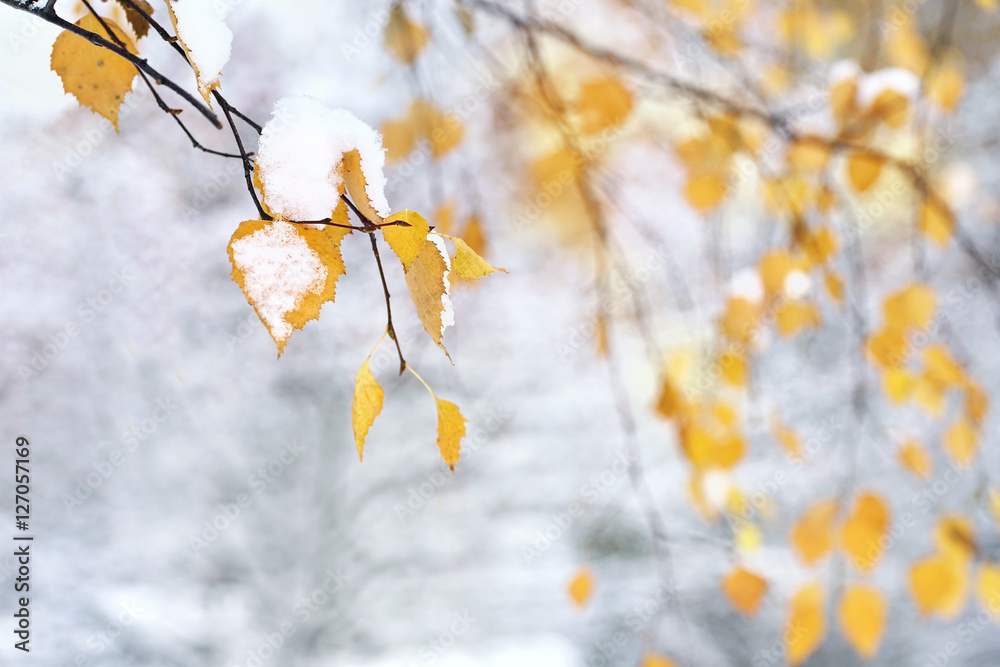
[
  {"x": 451, "y": 430},
  {"x": 914, "y": 457},
  {"x": 468, "y": 264},
  {"x": 961, "y": 441},
  {"x": 806, "y": 626},
  {"x": 398, "y": 138},
  {"x": 357, "y": 186},
  {"x": 734, "y": 368},
  {"x": 955, "y": 537},
  {"x": 808, "y": 153},
  {"x": 794, "y": 317},
  {"x": 863, "y": 170},
  {"x": 603, "y": 103},
  {"x": 976, "y": 402},
  {"x": 863, "y": 530},
  {"x": 443, "y": 131},
  {"x": 835, "y": 286},
  {"x": 444, "y": 217},
  {"x": 671, "y": 402},
  {"x": 198, "y": 29},
  {"x": 748, "y": 538},
  {"x": 892, "y": 108},
  {"x": 988, "y": 588},
  {"x": 899, "y": 384},
  {"x": 406, "y": 242},
  {"x": 404, "y": 38},
  {"x": 939, "y": 585},
  {"x": 813, "y": 535},
  {"x": 888, "y": 347},
  {"x": 942, "y": 367},
  {"x": 744, "y": 590},
  {"x": 287, "y": 272},
  {"x": 581, "y": 587},
  {"x": 653, "y": 660},
  {"x": 936, "y": 221},
  {"x": 929, "y": 395},
  {"x": 427, "y": 281},
  {"x": 140, "y": 26},
  {"x": 863, "y": 613},
  {"x": 473, "y": 235},
  {"x": 912, "y": 306},
  {"x": 945, "y": 86},
  {"x": 366, "y": 407},
  {"x": 96, "y": 77},
  {"x": 705, "y": 191},
  {"x": 741, "y": 319},
  {"x": 843, "y": 99}
]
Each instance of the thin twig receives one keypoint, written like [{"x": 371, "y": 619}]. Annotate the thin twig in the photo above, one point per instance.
[{"x": 246, "y": 158}]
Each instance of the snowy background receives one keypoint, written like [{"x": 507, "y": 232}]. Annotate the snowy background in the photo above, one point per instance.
[{"x": 166, "y": 386}]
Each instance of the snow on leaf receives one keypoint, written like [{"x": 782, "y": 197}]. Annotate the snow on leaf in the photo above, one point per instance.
[
  {"x": 468, "y": 264},
  {"x": 581, "y": 587},
  {"x": 813, "y": 536},
  {"x": 140, "y": 26},
  {"x": 406, "y": 242},
  {"x": 806, "y": 625},
  {"x": 286, "y": 271},
  {"x": 862, "y": 616},
  {"x": 744, "y": 590},
  {"x": 863, "y": 530},
  {"x": 96, "y": 77},
  {"x": 366, "y": 407},
  {"x": 450, "y": 431},
  {"x": 301, "y": 165},
  {"x": 202, "y": 31},
  {"x": 429, "y": 288},
  {"x": 404, "y": 38}
]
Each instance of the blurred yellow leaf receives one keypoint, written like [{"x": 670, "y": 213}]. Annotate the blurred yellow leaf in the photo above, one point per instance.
[
  {"x": 744, "y": 590},
  {"x": 813, "y": 536},
  {"x": 954, "y": 537},
  {"x": 366, "y": 407},
  {"x": 406, "y": 240},
  {"x": 96, "y": 77},
  {"x": 988, "y": 588},
  {"x": 912, "y": 306},
  {"x": 899, "y": 384},
  {"x": 942, "y": 367},
  {"x": 939, "y": 585},
  {"x": 796, "y": 316},
  {"x": 936, "y": 221},
  {"x": 404, "y": 38},
  {"x": 866, "y": 525},
  {"x": 863, "y": 613},
  {"x": 705, "y": 191},
  {"x": 863, "y": 170},
  {"x": 806, "y": 625},
  {"x": 914, "y": 457},
  {"x": 653, "y": 660},
  {"x": 581, "y": 587},
  {"x": 734, "y": 369},
  {"x": 835, "y": 286},
  {"x": 945, "y": 86},
  {"x": 892, "y": 108},
  {"x": 603, "y": 103},
  {"x": 443, "y": 131},
  {"x": 960, "y": 442}
]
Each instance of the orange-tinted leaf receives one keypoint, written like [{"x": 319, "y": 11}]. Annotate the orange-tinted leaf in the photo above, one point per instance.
[
  {"x": 863, "y": 170},
  {"x": 581, "y": 588},
  {"x": 744, "y": 589},
  {"x": 866, "y": 525}
]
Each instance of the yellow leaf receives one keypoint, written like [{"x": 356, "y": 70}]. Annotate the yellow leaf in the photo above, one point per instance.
[
  {"x": 406, "y": 242},
  {"x": 988, "y": 588},
  {"x": 473, "y": 235},
  {"x": 868, "y": 523},
  {"x": 451, "y": 430},
  {"x": 976, "y": 402},
  {"x": 357, "y": 186},
  {"x": 835, "y": 286},
  {"x": 671, "y": 402},
  {"x": 97, "y": 78},
  {"x": 891, "y": 107},
  {"x": 939, "y": 585},
  {"x": 942, "y": 367},
  {"x": 734, "y": 368},
  {"x": 653, "y": 660},
  {"x": 899, "y": 384},
  {"x": 863, "y": 169},
  {"x": 888, "y": 347},
  {"x": 820, "y": 245},
  {"x": 808, "y": 153},
  {"x": 286, "y": 271},
  {"x": 954, "y": 537},
  {"x": 929, "y": 395},
  {"x": 404, "y": 38},
  {"x": 398, "y": 138},
  {"x": 995, "y": 504},
  {"x": 444, "y": 131},
  {"x": 140, "y": 26},
  {"x": 914, "y": 457},
  {"x": 366, "y": 407},
  {"x": 843, "y": 95},
  {"x": 427, "y": 280},
  {"x": 748, "y": 538},
  {"x": 863, "y": 613},
  {"x": 960, "y": 442},
  {"x": 936, "y": 221},
  {"x": 912, "y": 306},
  {"x": 581, "y": 587},
  {"x": 744, "y": 590},
  {"x": 190, "y": 30},
  {"x": 705, "y": 191},
  {"x": 806, "y": 626},
  {"x": 603, "y": 103},
  {"x": 796, "y": 316},
  {"x": 788, "y": 439},
  {"x": 468, "y": 264},
  {"x": 741, "y": 319},
  {"x": 813, "y": 536},
  {"x": 945, "y": 86}
]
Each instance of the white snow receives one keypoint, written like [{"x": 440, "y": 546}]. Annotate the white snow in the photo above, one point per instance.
[
  {"x": 897, "y": 79},
  {"x": 447, "y": 309},
  {"x": 797, "y": 284},
  {"x": 300, "y": 150},
  {"x": 746, "y": 283},
  {"x": 843, "y": 70},
  {"x": 201, "y": 27},
  {"x": 279, "y": 269}
]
